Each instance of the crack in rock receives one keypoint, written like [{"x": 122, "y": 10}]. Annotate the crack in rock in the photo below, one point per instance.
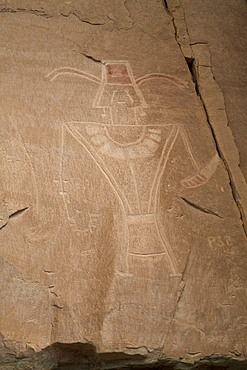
[
  {"x": 198, "y": 43},
  {"x": 92, "y": 58},
  {"x": 81, "y": 18},
  {"x": 179, "y": 297},
  {"x": 37, "y": 12},
  {"x": 18, "y": 212},
  {"x": 200, "y": 208},
  {"x": 13, "y": 215},
  {"x": 41, "y": 13},
  {"x": 57, "y": 306},
  {"x": 222, "y": 141}
]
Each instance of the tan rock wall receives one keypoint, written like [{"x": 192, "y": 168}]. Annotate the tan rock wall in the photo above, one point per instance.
[{"x": 123, "y": 203}]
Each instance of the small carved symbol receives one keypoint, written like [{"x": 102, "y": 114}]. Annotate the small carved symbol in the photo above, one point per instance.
[{"x": 217, "y": 242}]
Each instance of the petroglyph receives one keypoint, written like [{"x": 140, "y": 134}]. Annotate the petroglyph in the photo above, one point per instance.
[
  {"x": 220, "y": 241},
  {"x": 139, "y": 151}
]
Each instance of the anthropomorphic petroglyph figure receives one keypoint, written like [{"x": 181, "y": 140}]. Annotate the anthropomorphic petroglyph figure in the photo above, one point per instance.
[{"x": 132, "y": 155}]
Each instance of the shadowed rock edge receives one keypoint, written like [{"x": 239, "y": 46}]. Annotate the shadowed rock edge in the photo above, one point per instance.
[{"x": 82, "y": 356}]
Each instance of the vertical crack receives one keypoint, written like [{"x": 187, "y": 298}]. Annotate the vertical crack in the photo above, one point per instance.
[
  {"x": 191, "y": 62},
  {"x": 166, "y": 6},
  {"x": 167, "y": 9},
  {"x": 193, "y": 66},
  {"x": 234, "y": 191},
  {"x": 179, "y": 297}
]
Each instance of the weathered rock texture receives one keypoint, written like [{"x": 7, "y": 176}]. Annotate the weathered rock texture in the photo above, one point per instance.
[{"x": 123, "y": 196}]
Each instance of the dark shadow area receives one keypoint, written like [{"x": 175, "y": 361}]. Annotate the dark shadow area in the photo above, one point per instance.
[
  {"x": 192, "y": 68},
  {"x": 191, "y": 65},
  {"x": 83, "y": 356},
  {"x": 80, "y": 356},
  {"x": 67, "y": 354}
]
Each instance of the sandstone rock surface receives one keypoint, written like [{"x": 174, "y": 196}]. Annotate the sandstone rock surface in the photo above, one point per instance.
[{"x": 123, "y": 196}]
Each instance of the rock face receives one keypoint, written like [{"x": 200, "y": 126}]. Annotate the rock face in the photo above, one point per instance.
[{"x": 123, "y": 201}]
